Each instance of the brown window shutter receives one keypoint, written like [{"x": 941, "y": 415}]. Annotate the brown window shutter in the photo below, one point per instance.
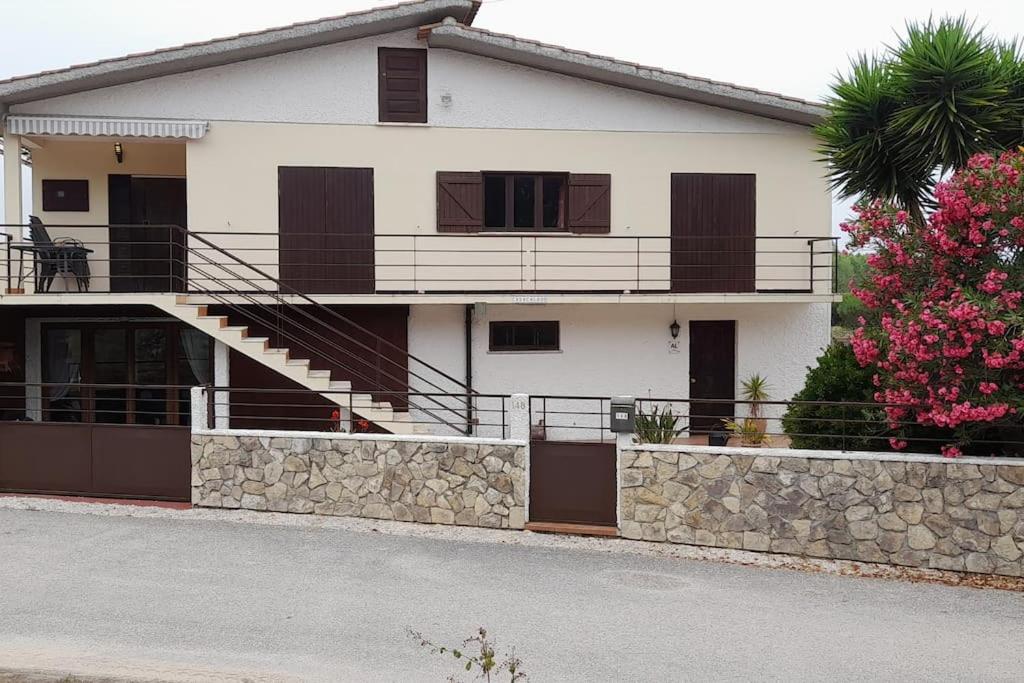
[
  {"x": 590, "y": 203},
  {"x": 460, "y": 202},
  {"x": 402, "y": 85}
]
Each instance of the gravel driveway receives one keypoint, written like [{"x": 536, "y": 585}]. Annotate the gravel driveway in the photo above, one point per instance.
[{"x": 180, "y": 596}]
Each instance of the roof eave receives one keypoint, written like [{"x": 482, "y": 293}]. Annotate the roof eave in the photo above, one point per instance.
[
  {"x": 455, "y": 36},
  {"x": 218, "y": 52}
]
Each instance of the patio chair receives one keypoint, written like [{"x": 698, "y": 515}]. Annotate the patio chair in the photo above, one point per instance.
[{"x": 64, "y": 255}]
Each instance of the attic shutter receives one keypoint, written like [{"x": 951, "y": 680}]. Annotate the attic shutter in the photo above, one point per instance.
[
  {"x": 590, "y": 203},
  {"x": 402, "y": 85},
  {"x": 460, "y": 202}
]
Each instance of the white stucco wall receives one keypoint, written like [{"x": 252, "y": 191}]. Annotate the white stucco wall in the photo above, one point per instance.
[
  {"x": 622, "y": 350},
  {"x": 338, "y": 84}
]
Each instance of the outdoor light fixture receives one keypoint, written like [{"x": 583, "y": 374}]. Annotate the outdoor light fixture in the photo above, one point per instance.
[
  {"x": 118, "y": 152},
  {"x": 674, "y": 329}
]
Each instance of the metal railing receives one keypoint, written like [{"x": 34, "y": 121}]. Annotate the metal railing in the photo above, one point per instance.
[
  {"x": 93, "y": 403},
  {"x": 145, "y": 258},
  {"x": 337, "y": 411},
  {"x": 175, "y": 260}
]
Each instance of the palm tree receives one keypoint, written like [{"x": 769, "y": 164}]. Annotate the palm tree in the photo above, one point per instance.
[{"x": 943, "y": 93}]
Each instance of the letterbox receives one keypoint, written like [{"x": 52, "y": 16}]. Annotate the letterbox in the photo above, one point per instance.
[{"x": 623, "y": 415}]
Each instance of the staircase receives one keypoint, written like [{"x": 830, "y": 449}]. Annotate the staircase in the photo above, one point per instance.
[{"x": 380, "y": 413}]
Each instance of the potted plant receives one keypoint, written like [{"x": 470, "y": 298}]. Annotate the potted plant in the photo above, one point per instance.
[{"x": 752, "y": 431}]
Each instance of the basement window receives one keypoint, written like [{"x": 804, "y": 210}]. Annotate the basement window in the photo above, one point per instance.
[
  {"x": 528, "y": 335},
  {"x": 524, "y": 201}
]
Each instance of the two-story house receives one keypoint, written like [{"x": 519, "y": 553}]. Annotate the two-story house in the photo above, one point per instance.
[{"x": 396, "y": 200}]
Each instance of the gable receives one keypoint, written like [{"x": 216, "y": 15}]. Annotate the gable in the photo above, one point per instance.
[{"x": 338, "y": 84}]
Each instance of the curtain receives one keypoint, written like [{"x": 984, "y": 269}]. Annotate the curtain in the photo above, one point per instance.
[
  {"x": 63, "y": 367},
  {"x": 197, "y": 350}
]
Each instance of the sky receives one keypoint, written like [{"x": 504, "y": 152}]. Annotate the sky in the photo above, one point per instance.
[{"x": 793, "y": 48}]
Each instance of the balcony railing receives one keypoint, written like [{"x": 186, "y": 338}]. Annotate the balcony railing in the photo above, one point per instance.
[{"x": 151, "y": 258}]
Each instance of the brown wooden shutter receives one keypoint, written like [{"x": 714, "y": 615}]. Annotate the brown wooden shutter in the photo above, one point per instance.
[
  {"x": 460, "y": 202},
  {"x": 402, "y": 85},
  {"x": 590, "y": 203}
]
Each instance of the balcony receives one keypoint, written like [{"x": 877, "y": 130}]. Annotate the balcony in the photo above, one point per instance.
[{"x": 154, "y": 258}]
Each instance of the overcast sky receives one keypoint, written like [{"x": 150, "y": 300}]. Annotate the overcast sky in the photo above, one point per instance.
[{"x": 793, "y": 48}]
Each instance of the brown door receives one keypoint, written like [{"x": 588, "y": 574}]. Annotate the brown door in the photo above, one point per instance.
[
  {"x": 326, "y": 229},
  {"x": 713, "y": 232},
  {"x": 146, "y": 254},
  {"x": 712, "y": 373}
]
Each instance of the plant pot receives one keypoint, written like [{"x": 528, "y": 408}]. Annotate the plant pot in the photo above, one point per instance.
[
  {"x": 754, "y": 430},
  {"x": 718, "y": 437}
]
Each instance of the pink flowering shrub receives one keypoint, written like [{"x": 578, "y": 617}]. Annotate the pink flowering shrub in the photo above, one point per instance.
[{"x": 945, "y": 334}]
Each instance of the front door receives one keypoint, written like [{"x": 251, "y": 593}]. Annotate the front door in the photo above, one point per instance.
[
  {"x": 147, "y": 254},
  {"x": 712, "y": 373},
  {"x": 713, "y": 232},
  {"x": 325, "y": 221}
]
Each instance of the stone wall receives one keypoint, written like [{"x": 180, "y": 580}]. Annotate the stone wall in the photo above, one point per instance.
[
  {"x": 470, "y": 482},
  {"x": 965, "y": 515}
]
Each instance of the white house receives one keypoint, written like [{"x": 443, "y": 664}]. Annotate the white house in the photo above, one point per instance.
[{"x": 397, "y": 200}]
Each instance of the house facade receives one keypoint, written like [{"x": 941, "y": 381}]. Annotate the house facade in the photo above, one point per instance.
[{"x": 396, "y": 210}]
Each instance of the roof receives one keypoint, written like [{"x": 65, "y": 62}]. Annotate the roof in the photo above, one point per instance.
[
  {"x": 452, "y": 35},
  {"x": 192, "y": 56},
  {"x": 444, "y": 24}
]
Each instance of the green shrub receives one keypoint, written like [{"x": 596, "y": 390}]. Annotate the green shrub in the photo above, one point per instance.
[
  {"x": 837, "y": 377},
  {"x": 655, "y": 427}
]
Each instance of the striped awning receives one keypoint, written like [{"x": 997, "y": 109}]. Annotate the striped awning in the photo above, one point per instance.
[{"x": 31, "y": 124}]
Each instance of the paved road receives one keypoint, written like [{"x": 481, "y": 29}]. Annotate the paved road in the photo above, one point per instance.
[{"x": 209, "y": 599}]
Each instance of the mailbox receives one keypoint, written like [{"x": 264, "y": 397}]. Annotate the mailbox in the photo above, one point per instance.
[{"x": 623, "y": 414}]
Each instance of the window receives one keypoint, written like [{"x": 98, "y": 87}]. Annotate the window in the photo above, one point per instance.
[
  {"x": 471, "y": 201},
  {"x": 519, "y": 201},
  {"x": 532, "y": 335},
  {"x": 65, "y": 195},
  {"x": 402, "y": 85},
  {"x": 140, "y": 363}
]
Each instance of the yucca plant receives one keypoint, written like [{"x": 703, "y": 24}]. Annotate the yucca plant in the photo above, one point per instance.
[
  {"x": 943, "y": 93},
  {"x": 657, "y": 427}
]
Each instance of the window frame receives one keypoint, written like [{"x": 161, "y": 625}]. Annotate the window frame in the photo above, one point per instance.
[
  {"x": 494, "y": 325},
  {"x": 538, "y": 200},
  {"x": 175, "y": 413}
]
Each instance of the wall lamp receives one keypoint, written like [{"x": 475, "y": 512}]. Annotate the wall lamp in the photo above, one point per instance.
[
  {"x": 674, "y": 329},
  {"x": 119, "y": 152}
]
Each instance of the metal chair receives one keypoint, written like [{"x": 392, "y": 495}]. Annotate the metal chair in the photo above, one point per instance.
[{"x": 65, "y": 255}]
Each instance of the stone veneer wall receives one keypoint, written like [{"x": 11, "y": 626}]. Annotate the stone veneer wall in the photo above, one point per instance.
[
  {"x": 965, "y": 515},
  {"x": 470, "y": 482}
]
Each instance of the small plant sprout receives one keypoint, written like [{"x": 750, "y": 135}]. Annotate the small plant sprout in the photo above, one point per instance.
[{"x": 478, "y": 654}]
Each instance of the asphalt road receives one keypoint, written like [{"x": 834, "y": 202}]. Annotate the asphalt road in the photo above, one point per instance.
[{"x": 186, "y": 599}]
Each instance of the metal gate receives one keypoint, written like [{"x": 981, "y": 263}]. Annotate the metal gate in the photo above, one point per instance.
[
  {"x": 572, "y": 482},
  {"x": 115, "y": 461}
]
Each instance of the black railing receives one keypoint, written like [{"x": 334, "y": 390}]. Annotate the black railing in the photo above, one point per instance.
[
  {"x": 140, "y": 258},
  {"x": 92, "y": 403},
  {"x": 174, "y": 260},
  {"x": 339, "y": 411}
]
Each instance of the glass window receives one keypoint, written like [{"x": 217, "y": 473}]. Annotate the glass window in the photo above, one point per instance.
[
  {"x": 537, "y": 201},
  {"x": 150, "y": 346},
  {"x": 62, "y": 373},
  {"x": 533, "y": 335},
  {"x": 494, "y": 201},
  {"x": 524, "y": 195},
  {"x": 110, "y": 356}
]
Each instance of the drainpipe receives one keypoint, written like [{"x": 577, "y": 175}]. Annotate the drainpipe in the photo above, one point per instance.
[{"x": 469, "y": 367}]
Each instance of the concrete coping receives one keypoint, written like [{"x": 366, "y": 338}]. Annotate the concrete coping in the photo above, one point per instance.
[
  {"x": 821, "y": 455},
  {"x": 407, "y": 438}
]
